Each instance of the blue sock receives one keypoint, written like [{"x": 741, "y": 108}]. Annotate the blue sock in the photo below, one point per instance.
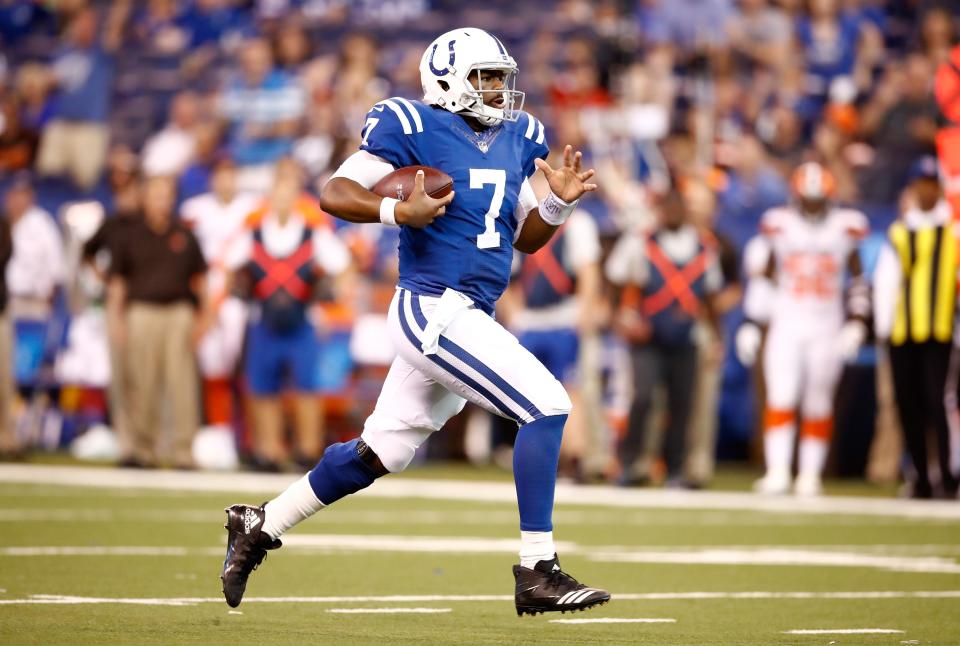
[
  {"x": 340, "y": 473},
  {"x": 535, "y": 457}
]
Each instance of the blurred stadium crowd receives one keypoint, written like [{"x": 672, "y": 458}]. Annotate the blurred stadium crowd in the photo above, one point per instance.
[{"x": 154, "y": 154}]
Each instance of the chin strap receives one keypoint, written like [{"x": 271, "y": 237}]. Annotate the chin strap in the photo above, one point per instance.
[{"x": 485, "y": 119}]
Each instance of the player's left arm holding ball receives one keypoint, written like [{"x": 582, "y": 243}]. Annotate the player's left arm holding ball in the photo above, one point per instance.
[{"x": 348, "y": 196}]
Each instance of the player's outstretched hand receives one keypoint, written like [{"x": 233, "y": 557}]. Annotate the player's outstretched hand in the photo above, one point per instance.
[
  {"x": 568, "y": 182},
  {"x": 420, "y": 210}
]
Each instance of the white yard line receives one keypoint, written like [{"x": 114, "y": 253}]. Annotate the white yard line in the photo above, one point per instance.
[
  {"x": 567, "y": 494},
  {"x": 57, "y": 599},
  {"x": 616, "y": 620},
  {"x": 718, "y": 555},
  {"x": 51, "y": 599},
  {"x": 846, "y": 631},
  {"x": 94, "y": 515},
  {"x": 109, "y": 550},
  {"x": 901, "y": 549},
  {"x": 56, "y": 515},
  {"x": 780, "y": 557},
  {"x": 855, "y": 595},
  {"x": 389, "y": 611}
]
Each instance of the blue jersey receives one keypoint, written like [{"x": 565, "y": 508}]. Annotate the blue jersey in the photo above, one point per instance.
[
  {"x": 828, "y": 59},
  {"x": 469, "y": 249}
]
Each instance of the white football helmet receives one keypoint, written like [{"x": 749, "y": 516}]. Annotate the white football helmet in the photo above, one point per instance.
[{"x": 451, "y": 59}]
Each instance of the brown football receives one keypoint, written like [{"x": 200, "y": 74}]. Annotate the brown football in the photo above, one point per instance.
[{"x": 399, "y": 183}]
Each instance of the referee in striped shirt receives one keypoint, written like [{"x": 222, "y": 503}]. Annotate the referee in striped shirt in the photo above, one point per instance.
[{"x": 915, "y": 301}]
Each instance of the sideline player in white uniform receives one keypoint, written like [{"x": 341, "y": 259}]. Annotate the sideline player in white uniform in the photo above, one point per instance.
[
  {"x": 796, "y": 269},
  {"x": 455, "y": 258},
  {"x": 217, "y": 219}
]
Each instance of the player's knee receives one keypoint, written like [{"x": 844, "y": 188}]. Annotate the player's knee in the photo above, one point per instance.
[
  {"x": 554, "y": 401},
  {"x": 396, "y": 457},
  {"x": 393, "y": 447}
]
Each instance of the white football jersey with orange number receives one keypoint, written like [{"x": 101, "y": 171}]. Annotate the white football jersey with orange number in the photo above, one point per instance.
[{"x": 810, "y": 257}]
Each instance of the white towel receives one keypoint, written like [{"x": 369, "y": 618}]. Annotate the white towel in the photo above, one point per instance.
[{"x": 450, "y": 304}]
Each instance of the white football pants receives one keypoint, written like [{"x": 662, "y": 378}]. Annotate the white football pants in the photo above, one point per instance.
[
  {"x": 476, "y": 359},
  {"x": 801, "y": 367}
]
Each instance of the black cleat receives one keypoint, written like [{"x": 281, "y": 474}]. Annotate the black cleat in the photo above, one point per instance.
[
  {"x": 246, "y": 548},
  {"x": 547, "y": 588}
]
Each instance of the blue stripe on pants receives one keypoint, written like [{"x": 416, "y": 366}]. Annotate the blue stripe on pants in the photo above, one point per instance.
[
  {"x": 476, "y": 364},
  {"x": 412, "y": 337}
]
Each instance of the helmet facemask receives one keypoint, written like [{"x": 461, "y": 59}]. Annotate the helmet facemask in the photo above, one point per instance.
[
  {"x": 813, "y": 208},
  {"x": 473, "y": 98}
]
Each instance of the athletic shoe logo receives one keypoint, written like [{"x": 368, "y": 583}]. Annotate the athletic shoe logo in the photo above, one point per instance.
[
  {"x": 250, "y": 520},
  {"x": 575, "y": 597}
]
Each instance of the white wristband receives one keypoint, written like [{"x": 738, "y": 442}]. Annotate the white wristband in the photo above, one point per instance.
[
  {"x": 388, "y": 206},
  {"x": 555, "y": 211}
]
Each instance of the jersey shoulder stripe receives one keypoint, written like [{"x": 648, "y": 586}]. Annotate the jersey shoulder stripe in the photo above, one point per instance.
[
  {"x": 534, "y": 130},
  {"x": 414, "y": 112},
  {"x": 400, "y": 107},
  {"x": 531, "y": 125}
]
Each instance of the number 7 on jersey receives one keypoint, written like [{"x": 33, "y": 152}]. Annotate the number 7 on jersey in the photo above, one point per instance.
[{"x": 498, "y": 177}]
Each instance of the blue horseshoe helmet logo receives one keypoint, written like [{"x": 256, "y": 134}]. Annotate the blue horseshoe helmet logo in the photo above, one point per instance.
[{"x": 453, "y": 56}]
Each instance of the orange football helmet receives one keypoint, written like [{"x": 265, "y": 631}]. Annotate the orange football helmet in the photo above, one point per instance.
[{"x": 811, "y": 181}]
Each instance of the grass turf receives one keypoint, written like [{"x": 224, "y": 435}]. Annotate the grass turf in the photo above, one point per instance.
[{"x": 37, "y": 515}]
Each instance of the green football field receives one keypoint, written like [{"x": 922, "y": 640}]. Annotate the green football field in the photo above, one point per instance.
[{"x": 101, "y": 556}]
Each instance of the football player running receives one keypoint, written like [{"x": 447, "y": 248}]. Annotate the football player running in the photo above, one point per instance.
[
  {"x": 796, "y": 269},
  {"x": 455, "y": 257}
]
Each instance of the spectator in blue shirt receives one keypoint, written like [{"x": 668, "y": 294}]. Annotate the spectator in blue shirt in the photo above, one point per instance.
[
  {"x": 829, "y": 41},
  {"x": 263, "y": 107},
  {"x": 75, "y": 141}
]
